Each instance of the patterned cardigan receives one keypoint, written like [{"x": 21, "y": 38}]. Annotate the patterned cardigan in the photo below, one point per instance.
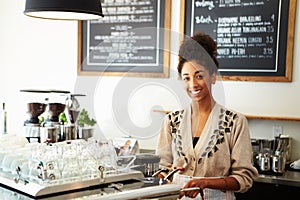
[{"x": 224, "y": 148}]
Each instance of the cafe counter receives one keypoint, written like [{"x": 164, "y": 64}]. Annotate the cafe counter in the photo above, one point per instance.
[
  {"x": 289, "y": 178},
  {"x": 264, "y": 187},
  {"x": 141, "y": 188},
  {"x": 275, "y": 187}
]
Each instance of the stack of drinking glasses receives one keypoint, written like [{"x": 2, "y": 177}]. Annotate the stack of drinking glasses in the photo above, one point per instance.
[{"x": 57, "y": 163}]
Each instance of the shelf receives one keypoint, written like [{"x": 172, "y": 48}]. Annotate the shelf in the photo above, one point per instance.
[
  {"x": 250, "y": 116},
  {"x": 273, "y": 118}
]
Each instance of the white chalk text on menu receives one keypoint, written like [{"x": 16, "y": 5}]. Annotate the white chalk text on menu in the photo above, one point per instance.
[
  {"x": 255, "y": 38},
  {"x": 129, "y": 39}
]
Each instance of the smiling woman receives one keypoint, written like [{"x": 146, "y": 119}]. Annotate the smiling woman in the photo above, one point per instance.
[{"x": 220, "y": 158}]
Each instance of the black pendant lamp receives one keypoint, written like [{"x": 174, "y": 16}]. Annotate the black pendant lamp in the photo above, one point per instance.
[{"x": 64, "y": 9}]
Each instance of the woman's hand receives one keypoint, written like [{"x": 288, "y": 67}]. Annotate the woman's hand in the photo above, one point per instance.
[
  {"x": 162, "y": 173},
  {"x": 193, "y": 187},
  {"x": 226, "y": 183}
]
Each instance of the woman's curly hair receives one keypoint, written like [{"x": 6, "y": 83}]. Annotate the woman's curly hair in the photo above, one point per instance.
[{"x": 200, "y": 48}]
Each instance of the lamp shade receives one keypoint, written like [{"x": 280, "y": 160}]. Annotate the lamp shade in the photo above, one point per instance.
[{"x": 64, "y": 9}]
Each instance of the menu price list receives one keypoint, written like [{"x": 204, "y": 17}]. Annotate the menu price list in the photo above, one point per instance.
[
  {"x": 246, "y": 32},
  {"x": 126, "y": 35}
]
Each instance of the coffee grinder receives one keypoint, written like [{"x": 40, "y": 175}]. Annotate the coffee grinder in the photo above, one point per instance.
[
  {"x": 32, "y": 125},
  {"x": 52, "y": 127},
  {"x": 35, "y": 107}
]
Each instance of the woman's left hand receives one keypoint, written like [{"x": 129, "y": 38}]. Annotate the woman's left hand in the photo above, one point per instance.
[{"x": 192, "y": 188}]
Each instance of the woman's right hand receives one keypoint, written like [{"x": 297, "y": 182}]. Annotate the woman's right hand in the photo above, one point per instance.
[{"x": 162, "y": 175}]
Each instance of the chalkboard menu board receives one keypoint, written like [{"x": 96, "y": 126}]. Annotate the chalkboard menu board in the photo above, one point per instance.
[
  {"x": 254, "y": 37},
  {"x": 130, "y": 39}
]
